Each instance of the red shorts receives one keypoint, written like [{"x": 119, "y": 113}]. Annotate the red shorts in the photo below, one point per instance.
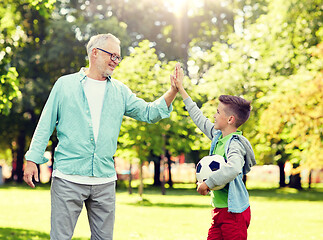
[{"x": 229, "y": 226}]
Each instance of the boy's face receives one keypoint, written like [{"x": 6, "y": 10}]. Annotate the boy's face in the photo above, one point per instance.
[{"x": 221, "y": 118}]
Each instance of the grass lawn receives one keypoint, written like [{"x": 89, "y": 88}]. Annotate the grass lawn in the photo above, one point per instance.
[{"x": 181, "y": 214}]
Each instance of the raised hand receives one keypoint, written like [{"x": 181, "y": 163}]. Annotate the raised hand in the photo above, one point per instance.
[{"x": 179, "y": 76}]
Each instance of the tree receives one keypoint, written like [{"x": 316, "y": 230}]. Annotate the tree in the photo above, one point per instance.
[
  {"x": 8, "y": 88},
  {"x": 10, "y": 36},
  {"x": 22, "y": 27},
  {"x": 248, "y": 63},
  {"x": 296, "y": 118},
  {"x": 149, "y": 79},
  {"x": 169, "y": 25},
  {"x": 13, "y": 37}
]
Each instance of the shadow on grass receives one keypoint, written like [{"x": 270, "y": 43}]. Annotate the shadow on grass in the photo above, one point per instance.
[
  {"x": 274, "y": 194},
  {"x": 287, "y": 194},
  {"x": 153, "y": 190},
  {"x": 14, "y": 185},
  {"x": 25, "y": 234},
  {"x": 147, "y": 203},
  {"x": 315, "y": 194}
]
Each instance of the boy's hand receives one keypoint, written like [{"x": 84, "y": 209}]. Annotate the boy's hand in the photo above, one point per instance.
[
  {"x": 172, "y": 83},
  {"x": 174, "y": 76},
  {"x": 177, "y": 81},
  {"x": 179, "y": 76},
  {"x": 202, "y": 188}
]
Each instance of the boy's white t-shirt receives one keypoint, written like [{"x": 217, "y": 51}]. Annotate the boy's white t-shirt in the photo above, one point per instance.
[{"x": 94, "y": 91}]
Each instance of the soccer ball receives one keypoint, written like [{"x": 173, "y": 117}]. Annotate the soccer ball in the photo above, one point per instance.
[{"x": 206, "y": 166}]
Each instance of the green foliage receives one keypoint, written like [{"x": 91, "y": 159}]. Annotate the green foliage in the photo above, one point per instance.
[
  {"x": 257, "y": 61},
  {"x": 12, "y": 35},
  {"x": 296, "y": 118},
  {"x": 8, "y": 89}
]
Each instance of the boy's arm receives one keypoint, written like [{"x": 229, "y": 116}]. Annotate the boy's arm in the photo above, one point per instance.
[
  {"x": 203, "y": 123},
  {"x": 232, "y": 169}
]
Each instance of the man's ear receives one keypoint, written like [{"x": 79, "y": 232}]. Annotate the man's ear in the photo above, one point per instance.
[
  {"x": 94, "y": 52},
  {"x": 231, "y": 120}
]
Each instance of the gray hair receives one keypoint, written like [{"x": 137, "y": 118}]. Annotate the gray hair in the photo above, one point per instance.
[{"x": 99, "y": 40}]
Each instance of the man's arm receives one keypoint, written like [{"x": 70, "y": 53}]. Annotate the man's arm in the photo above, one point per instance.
[
  {"x": 169, "y": 96},
  {"x": 44, "y": 129}
]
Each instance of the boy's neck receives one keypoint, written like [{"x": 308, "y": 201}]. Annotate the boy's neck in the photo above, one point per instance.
[{"x": 227, "y": 131}]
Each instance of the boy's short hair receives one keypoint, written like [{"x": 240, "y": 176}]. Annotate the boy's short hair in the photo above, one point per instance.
[{"x": 236, "y": 106}]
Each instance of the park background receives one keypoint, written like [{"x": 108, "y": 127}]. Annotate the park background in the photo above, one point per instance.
[{"x": 269, "y": 52}]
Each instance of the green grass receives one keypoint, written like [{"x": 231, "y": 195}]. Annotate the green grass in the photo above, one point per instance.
[{"x": 181, "y": 214}]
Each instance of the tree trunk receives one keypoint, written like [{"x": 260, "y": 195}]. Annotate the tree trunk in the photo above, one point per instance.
[
  {"x": 169, "y": 163},
  {"x": 281, "y": 165},
  {"x": 295, "y": 177},
  {"x": 310, "y": 179},
  {"x": 141, "y": 185},
  {"x": 14, "y": 163},
  {"x": 130, "y": 179},
  {"x": 21, "y": 144},
  {"x": 295, "y": 181},
  {"x": 156, "y": 160},
  {"x": 162, "y": 163}
]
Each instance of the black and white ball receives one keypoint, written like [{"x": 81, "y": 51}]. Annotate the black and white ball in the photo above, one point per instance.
[{"x": 207, "y": 165}]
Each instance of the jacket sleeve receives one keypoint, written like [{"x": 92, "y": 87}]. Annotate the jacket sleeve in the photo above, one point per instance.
[
  {"x": 45, "y": 127},
  {"x": 230, "y": 170},
  {"x": 202, "y": 122}
]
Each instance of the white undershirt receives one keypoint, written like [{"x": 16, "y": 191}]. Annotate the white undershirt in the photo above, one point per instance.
[{"x": 94, "y": 91}]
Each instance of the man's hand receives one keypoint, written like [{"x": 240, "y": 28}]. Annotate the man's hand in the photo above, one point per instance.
[
  {"x": 202, "y": 188},
  {"x": 178, "y": 76},
  {"x": 30, "y": 171},
  {"x": 174, "y": 77}
]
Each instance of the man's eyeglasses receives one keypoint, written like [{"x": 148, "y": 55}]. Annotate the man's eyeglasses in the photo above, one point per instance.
[{"x": 113, "y": 56}]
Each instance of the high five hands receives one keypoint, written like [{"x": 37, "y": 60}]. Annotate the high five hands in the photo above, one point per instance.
[{"x": 177, "y": 80}]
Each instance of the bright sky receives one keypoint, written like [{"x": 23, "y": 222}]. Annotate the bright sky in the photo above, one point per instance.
[{"x": 177, "y": 6}]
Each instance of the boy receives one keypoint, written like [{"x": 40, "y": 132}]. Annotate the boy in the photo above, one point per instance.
[{"x": 231, "y": 213}]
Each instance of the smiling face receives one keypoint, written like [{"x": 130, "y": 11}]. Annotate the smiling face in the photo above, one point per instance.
[
  {"x": 104, "y": 63},
  {"x": 101, "y": 65}
]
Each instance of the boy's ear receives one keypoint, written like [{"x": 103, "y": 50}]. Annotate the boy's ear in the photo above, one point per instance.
[{"x": 231, "y": 120}]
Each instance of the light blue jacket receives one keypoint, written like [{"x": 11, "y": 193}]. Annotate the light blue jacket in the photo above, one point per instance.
[
  {"x": 240, "y": 159},
  {"x": 68, "y": 111}
]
